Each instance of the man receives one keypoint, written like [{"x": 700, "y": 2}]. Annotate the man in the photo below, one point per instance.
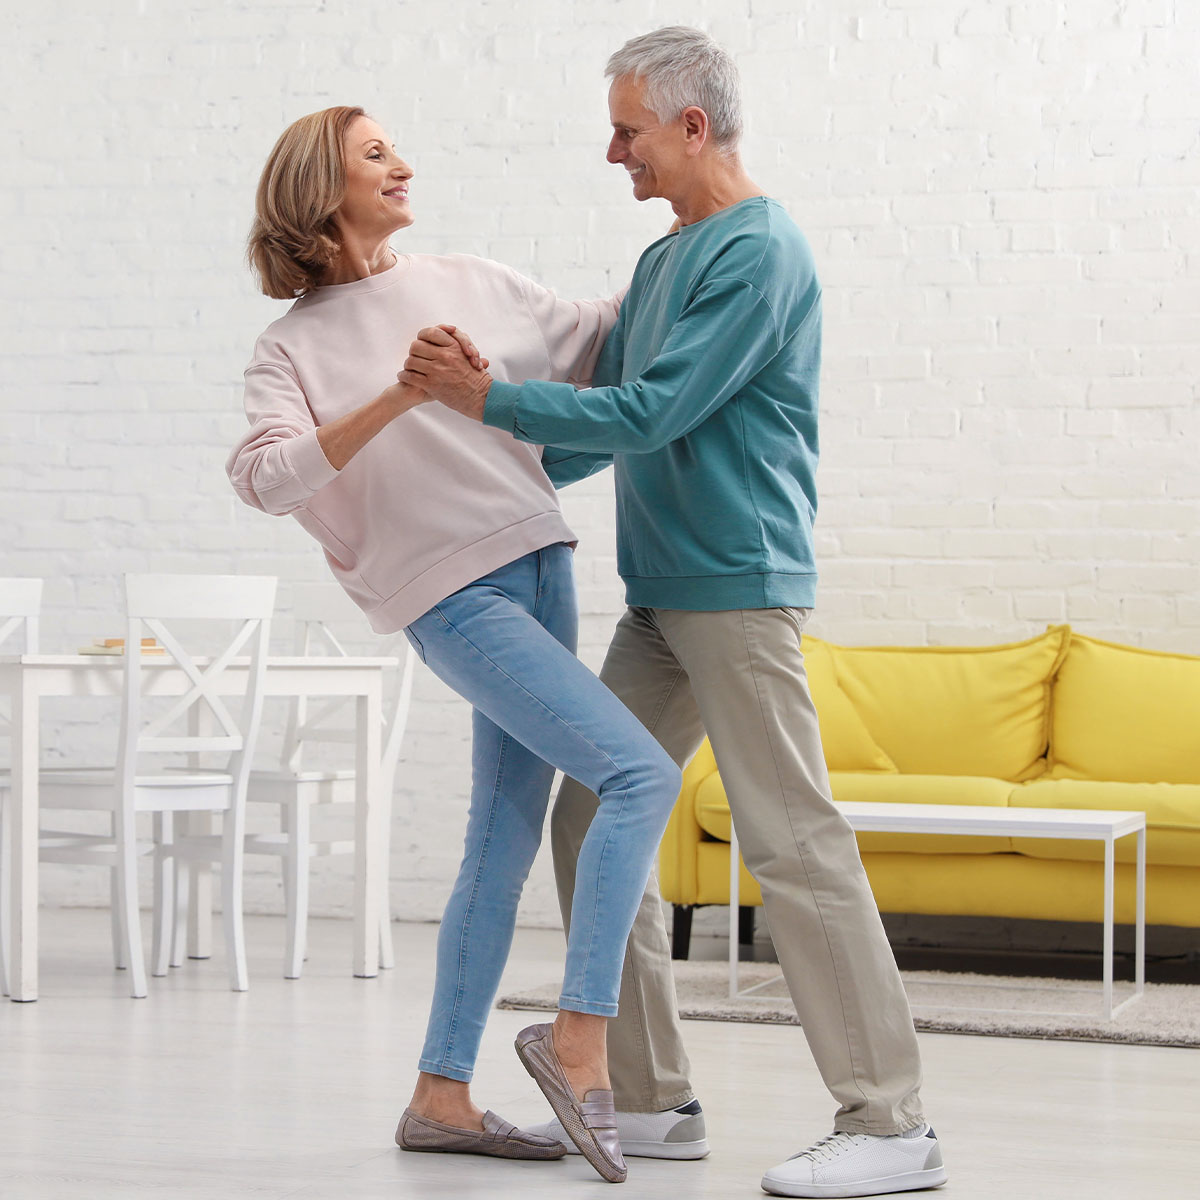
[{"x": 710, "y": 419}]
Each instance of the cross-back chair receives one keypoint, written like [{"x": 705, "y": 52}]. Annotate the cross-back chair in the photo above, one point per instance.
[
  {"x": 298, "y": 785},
  {"x": 20, "y": 609},
  {"x": 201, "y": 715}
]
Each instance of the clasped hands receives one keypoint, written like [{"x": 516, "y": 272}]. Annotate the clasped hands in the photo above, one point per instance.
[{"x": 445, "y": 366}]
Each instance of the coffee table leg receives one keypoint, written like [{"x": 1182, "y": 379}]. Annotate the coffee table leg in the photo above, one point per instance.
[
  {"x": 1109, "y": 871},
  {"x": 1140, "y": 964},
  {"x": 734, "y": 897}
]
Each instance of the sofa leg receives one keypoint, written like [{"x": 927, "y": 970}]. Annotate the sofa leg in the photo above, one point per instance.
[
  {"x": 746, "y": 925},
  {"x": 681, "y": 930}
]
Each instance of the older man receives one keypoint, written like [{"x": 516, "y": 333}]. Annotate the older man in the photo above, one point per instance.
[{"x": 710, "y": 417}]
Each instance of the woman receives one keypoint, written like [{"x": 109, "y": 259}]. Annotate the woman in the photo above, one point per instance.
[{"x": 452, "y": 532}]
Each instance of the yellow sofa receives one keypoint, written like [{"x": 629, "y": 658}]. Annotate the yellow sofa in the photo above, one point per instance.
[{"x": 1057, "y": 721}]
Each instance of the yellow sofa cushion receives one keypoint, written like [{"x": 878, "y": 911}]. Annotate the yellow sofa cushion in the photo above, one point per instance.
[
  {"x": 957, "y": 710},
  {"x": 1172, "y": 819},
  {"x": 845, "y": 739},
  {"x": 976, "y": 790},
  {"x": 1011, "y": 885},
  {"x": 1126, "y": 714}
]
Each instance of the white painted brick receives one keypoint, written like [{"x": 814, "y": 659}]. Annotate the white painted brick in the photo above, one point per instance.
[{"x": 1007, "y": 242}]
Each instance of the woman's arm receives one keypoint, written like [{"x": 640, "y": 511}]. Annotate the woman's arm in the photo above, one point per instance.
[
  {"x": 285, "y": 457},
  {"x": 342, "y": 439},
  {"x": 574, "y": 331}
]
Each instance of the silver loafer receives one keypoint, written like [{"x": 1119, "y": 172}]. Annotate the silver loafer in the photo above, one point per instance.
[
  {"x": 498, "y": 1138},
  {"x": 591, "y": 1123}
]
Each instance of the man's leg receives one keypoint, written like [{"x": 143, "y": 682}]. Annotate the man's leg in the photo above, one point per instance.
[
  {"x": 747, "y": 675},
  {"x": 646, "y": 1056}
]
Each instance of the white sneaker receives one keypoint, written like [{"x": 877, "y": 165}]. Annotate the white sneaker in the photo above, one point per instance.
[
  {"x": 860, "y": 1164},
  {"x": 675, "y": 1133}
]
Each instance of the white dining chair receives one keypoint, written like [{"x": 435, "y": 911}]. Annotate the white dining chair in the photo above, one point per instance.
[
  {"x": 297, "y": 785},
  {"x": 205, "y": 727},
  {"x": 20, "y": 608}
]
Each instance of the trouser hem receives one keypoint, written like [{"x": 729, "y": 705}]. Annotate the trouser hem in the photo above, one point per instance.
[
  {"x": 595, "y": 1008},
  {"x": 665, "y": 1104},
  {"x": 878, "y": 1128},
  {"x": 435, "y": 1068}
]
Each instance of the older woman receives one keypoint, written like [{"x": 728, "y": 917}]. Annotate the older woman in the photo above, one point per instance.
[{"x": 452, "y": 532}]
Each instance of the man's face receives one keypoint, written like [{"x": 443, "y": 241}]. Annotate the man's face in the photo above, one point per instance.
[{"x": 652, "y": 153}]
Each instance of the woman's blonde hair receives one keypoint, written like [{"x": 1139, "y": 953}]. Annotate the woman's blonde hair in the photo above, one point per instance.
[{"x": 293, "y": 237}]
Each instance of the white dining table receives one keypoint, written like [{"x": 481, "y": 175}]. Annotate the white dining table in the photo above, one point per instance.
[{"x": 28, "y": 678}]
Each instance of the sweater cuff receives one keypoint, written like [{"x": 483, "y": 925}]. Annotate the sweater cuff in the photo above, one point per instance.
[
  {"x": 500, "y": 407},
  {"x": 307, "y": 459}
]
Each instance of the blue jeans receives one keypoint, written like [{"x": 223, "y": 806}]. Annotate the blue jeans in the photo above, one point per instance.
[{"x": 506, "y": 643}]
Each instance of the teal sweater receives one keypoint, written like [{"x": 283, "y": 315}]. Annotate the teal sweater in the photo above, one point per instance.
[{"x": 709, "y": 416}]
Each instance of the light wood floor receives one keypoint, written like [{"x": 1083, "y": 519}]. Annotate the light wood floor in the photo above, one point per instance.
[{"x": 293, "y": 1089}]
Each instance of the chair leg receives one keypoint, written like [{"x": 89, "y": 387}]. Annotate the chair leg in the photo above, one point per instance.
[
  {"x": 164, "y": 893},
  {"x": 387, "y": 950},
  {"x": 681, "y": 930},
  {"x": 120, "y": 961},
  {"x": 127, "y": 891},
  {"x": 296, "y": 871},
  {"x": 387, "y": 953},
  {"x": 232, "y": 856},
  {"x": 746, "y": 925},
  {"x": 179, "y": 912},
  {"x": 5, "y": 863},
  {"x": 285, "y": 827}
]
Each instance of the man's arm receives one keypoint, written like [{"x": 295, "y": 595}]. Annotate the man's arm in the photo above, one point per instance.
[
  {"x": 721, "y": 341},
  {"x": 564, "y": 467}
]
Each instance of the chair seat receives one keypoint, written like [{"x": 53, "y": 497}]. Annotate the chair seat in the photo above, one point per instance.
[
  {"x": 96, "y": 789},
  {"x": 106, "y": 777},
  {"x": 280, "y": 776}
]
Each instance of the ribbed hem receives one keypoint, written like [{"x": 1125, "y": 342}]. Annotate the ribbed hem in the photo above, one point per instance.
[
  {"x": 305, "y": 456},
  {"x": 465, "y": 566},
  {"x": 500, "y": 407},
  {"x": 717, "y": 593}
]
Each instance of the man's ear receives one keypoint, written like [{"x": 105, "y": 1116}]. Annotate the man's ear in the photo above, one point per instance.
[{"x": 695, "y": 129}]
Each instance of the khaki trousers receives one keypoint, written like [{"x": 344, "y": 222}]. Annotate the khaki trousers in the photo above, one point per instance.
[{"x": 739, "y": 675}]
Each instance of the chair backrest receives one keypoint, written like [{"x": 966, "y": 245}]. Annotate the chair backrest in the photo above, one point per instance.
[
  {"x": 20, "y": 606},
  {"x": 200, "y": 719},
  {"x": 312, "y": 724}
]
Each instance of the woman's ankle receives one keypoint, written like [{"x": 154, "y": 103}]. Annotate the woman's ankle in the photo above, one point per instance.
[
  {"x": 447, "y": 1101},
  {"x": 581, "y": 1048}
]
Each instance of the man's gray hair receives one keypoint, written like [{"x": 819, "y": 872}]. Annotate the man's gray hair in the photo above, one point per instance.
[{"x": 681, "y": 67}]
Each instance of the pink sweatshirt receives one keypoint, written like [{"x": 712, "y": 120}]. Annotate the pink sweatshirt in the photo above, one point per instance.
[{"x": 435, "y": 500}]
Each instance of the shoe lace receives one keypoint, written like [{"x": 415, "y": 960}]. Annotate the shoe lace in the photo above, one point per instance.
[{"x": 836, "y": 1144}]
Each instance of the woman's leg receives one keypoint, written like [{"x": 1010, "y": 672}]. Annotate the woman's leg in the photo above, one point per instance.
[
  {"x": 505, "y": 643},
  {"x": 509, "y": 787}
]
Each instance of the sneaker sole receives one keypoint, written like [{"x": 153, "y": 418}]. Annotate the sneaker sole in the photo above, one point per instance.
[{"x": 911, "y": 1181}]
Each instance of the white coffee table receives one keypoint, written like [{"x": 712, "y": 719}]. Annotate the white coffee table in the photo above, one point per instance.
[{"x": 966, "y": 820}]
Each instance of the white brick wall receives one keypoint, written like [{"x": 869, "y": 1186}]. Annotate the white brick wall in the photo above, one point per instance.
[{"x": 1002, "y": 198}]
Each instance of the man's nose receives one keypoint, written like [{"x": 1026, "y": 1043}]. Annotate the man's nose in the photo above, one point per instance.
[{"x": 616, "y": 152}]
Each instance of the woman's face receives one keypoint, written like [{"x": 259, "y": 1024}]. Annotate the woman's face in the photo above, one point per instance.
[{"x": 376, "y": 201}]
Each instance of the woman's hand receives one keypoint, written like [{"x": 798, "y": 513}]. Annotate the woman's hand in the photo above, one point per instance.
[{"x": 444, "y": 363}]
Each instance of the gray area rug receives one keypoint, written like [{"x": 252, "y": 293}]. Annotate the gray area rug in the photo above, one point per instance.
[{"x": 998, "y": 1006}]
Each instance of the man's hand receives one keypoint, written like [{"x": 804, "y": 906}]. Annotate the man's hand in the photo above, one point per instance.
[{"x": 444, "y": 363}]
